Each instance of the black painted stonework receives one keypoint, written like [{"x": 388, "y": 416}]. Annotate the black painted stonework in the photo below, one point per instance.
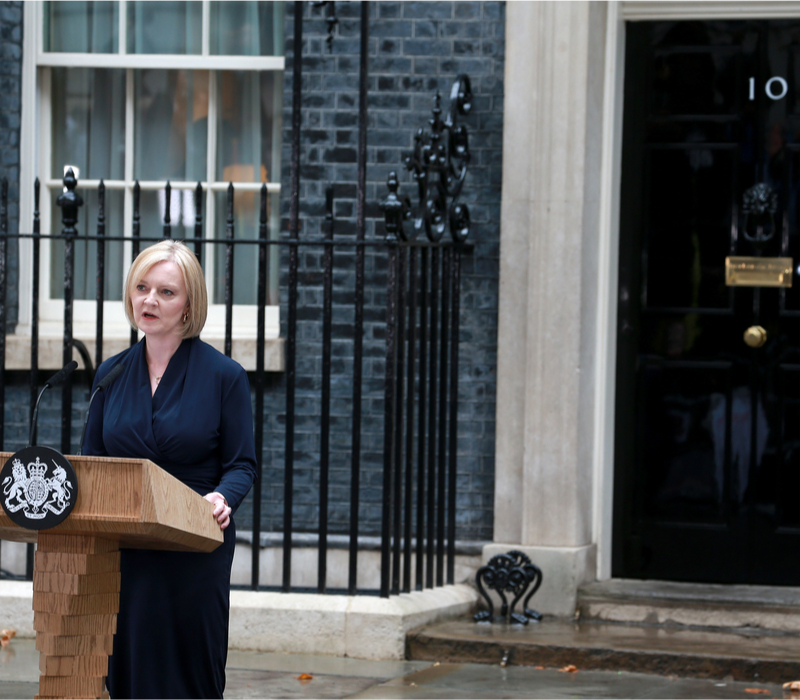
[
  {"x": 10, "y": 111},
  {"x": 415, "y": 49}
]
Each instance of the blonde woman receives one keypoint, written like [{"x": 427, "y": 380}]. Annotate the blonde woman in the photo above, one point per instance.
[{"x": 185, "y": 406}]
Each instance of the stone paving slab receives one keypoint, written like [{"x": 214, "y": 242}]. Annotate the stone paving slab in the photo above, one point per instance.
[
  {"x": 274, "y": 684},
  {"x": 250, "y": 674},
  {"x": 493, "y": 681},
  {"x": 327, "y": 665}
]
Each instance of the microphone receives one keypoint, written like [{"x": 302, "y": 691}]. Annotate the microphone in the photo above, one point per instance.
[
  {"x": 55, "y": 380},
  {"x": 102, "y": 385}
]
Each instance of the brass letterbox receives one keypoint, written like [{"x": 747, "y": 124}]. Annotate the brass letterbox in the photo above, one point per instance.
[{"x": 744, "y": 271}]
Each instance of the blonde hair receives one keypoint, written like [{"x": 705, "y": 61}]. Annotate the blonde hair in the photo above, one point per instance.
[{"x": 177, "y": 252}]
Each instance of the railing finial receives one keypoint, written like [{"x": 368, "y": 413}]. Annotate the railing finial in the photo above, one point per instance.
[
  {"x": 439, "y": 167},
  {"x": 69, "y": 201},
  {"x": 395, "y": 209}
]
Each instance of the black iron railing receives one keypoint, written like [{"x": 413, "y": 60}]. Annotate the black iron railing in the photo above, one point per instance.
[{"x": 419, "y": 460}]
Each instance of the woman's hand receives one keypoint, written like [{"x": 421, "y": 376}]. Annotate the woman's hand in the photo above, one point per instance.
[{"x": 222, "y": 511}]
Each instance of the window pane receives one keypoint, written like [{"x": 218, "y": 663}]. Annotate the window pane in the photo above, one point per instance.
[
  {"x": 85, "y": 281},
  {"x": 246, "y": 208},
  {"x": 247, "y": 28},
  {"x": 89, "y": 122},
  {"x": 153, "y": 208},
  {"x": 81, "y": 27},
  {"x": 249, "y": 126},
  {"x": 171, "y": 124},
  {"x": 165, "y": 27}
]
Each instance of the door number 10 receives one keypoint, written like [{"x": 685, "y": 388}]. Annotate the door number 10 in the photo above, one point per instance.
[{"x": 776, "y": 88}]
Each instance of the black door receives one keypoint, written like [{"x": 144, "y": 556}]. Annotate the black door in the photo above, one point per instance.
[{"x": 707, "y": 463}]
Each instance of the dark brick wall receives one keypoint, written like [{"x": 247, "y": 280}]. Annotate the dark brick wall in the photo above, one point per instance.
[
  {"x": 17, "y": 418},
  {"x": 10, "y": 111},
  {"x": 415, "y": 49}
]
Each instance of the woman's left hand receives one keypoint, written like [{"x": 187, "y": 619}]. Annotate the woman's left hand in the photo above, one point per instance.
[{"x": 222, "y": 511}]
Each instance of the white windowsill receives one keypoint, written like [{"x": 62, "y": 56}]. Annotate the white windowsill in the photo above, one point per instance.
[{"x": 18, "y": 349}]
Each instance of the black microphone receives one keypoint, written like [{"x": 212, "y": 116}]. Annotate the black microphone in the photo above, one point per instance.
[
  {"x": 102, "y": 385},
  {"x": 55, "y": 380}
]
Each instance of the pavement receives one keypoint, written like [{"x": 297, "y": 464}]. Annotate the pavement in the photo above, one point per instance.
[{"x": 267, "y": 675}]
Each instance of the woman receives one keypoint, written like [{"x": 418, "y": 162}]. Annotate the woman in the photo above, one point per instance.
[{"x": 186, "y": 407}]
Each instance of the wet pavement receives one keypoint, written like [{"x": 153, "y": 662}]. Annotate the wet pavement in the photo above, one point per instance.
[{"x": 265, "y": 675}]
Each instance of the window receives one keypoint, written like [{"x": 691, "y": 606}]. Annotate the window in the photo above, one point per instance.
[{"x": 151, "y": 91}]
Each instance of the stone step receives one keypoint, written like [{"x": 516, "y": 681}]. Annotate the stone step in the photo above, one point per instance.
[
  {"x": 774, "y": 608},
  {"x": 742, "y": 655}
]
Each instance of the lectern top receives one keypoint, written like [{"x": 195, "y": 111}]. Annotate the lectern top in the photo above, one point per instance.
[{"x": 133, "y": 501}]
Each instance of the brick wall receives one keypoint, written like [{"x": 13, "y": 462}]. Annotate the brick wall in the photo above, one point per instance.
[
  {"x": 415, "y": 48},
  {"x": 10, "y": 110},
  {"x": 17, "y": 418}
]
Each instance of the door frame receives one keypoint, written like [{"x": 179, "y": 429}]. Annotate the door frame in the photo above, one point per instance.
[{"x": 608, "y": 245}]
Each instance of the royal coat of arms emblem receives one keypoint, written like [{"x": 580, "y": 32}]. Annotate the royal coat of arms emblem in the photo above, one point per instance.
[{"x": 39, "y": 487}]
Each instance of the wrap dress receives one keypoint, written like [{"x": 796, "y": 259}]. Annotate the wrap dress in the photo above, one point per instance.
[{"x": 172, "y": 626}]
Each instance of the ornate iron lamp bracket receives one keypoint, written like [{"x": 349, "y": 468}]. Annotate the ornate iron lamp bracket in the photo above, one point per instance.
[{"x": 439, "y": 166}]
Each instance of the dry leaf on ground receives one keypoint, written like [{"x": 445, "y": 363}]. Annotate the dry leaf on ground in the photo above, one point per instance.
[
  {"x": 757, "y": 691},
  {"x": 6, "y": 636},
  {"x": 569, "y": 669},
  {"x": 539, "y": 668},
  {"x": 304, "y": 677}
]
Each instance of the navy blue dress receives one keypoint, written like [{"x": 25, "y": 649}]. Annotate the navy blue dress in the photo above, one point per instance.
[{"x": 172, "y": 627}]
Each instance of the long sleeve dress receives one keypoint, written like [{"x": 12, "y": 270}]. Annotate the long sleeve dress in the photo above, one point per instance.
[{"x": 172, "y": 626}]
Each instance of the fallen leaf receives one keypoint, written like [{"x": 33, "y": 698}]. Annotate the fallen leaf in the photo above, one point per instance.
[
  {"x": 304, "y": 677},
  {"x": 6, "y": 636},
  {"x": 757, "y": 691},
  {"x": 539, "y": 668},
  {"x": 569, "y": 669}
]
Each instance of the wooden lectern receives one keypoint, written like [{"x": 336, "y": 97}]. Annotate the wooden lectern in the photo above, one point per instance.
[{"x": 121, "y": 503}]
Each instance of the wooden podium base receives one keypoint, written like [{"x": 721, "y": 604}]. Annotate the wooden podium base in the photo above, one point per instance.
[
  {"x": 128, "y": 503},
  {"x": 76, "y": 582}
]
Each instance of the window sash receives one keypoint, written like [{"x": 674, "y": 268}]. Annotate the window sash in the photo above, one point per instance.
[
  {"x": 217, "y": 12},
  {"x": 37, "y": 98},
  {"x": 174, "y": 61}
]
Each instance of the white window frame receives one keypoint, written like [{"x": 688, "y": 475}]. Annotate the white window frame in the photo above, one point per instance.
[{"x": 35, "y": 160}]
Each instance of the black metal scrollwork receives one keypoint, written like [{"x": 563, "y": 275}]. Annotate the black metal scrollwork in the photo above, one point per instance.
[
  {"x": 760, "y": 203},
  {"x": 439, "y": 166},
  {"x": 512, "y": 573}
]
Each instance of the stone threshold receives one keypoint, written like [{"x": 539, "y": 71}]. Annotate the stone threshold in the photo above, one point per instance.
[
  {"x": 766, "y": 657},
  {"x": 701, "y": 605},
  {"x": 362, "y": 627}
]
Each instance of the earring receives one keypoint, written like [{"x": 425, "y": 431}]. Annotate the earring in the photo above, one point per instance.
[{"x": 186, "y": 317}]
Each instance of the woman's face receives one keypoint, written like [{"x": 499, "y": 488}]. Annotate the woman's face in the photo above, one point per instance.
[{"x": 160, "y": 301}]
